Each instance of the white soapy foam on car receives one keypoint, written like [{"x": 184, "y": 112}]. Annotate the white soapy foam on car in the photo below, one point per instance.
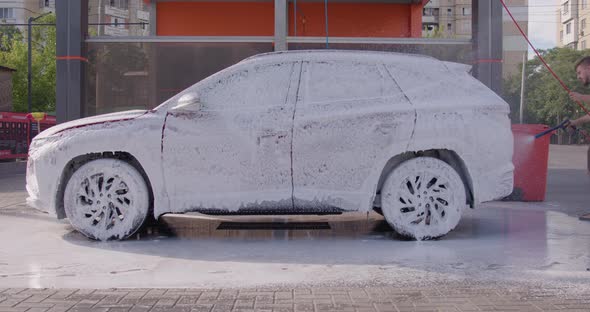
[
  {"x": 266, "y": 137},
  {"x": 108, "y": 197},
  {"x": 423, "y": 198},
  {"x": 460, "y": 114},
  {"x": 341, "y": 143},
  {"x": 53, "y": 150},
  {"x": 238, "y": 145}
]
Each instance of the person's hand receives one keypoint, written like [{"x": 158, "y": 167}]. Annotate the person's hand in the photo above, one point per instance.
[
  {"x": 570, "y": 126},
  {"x": 572, "y": 123},
  {"x": 578, "y": 122}
]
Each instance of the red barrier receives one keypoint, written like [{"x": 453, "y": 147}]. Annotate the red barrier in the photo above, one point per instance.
[
  {"x": 16, "y": 132},
  {"x": 39, "y": 122}
]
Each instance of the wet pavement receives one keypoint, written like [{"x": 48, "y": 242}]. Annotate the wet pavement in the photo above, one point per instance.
[
  {"x": 499, "y": 244},
  {"x": 531, "y": 256}
]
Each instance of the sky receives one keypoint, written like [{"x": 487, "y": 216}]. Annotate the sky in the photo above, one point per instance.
[{"x": 543, "y": 23}]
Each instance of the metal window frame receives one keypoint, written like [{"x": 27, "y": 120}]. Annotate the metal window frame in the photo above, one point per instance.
[
  {"x": 7, "y": 10},
  {"x": 270, "y": 39},
  {"x": 181, "y": 39}
]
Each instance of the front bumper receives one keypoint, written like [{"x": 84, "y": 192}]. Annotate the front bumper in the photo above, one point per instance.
[
  {"x": 41, "y": 179},
  {"x": 36, "y": 203},
  {"x": 32, "y": 186}
]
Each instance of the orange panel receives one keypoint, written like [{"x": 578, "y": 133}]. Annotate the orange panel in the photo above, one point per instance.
[
  {"x": 257, "y": 19},
  {"x": 215, "y": 19},
  {"x": 352, "y": 20},
  {"x": 416, "y": 20}
]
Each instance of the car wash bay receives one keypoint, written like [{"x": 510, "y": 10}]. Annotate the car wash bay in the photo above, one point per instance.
[{"x": 540, "y": 247}]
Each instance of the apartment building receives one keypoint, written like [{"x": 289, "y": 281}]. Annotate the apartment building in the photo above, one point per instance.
[
  {"x": 19, "y": 11},
  {"x": 572, "y": 29},
  {"x": 438, "y": 17},
  {"x": 127, "y": 17},
  {"x": 118, "y": 17},
  {"x": 47, "y": 6},
  {"x": 453, "y": 19}
]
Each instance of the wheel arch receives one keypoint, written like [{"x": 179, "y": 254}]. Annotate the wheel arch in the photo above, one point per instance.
[
  {"x": 76, "y": 162},
  {"x": 448, "y": 156}
]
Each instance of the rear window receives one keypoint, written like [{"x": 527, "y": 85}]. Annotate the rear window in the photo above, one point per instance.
[{"x": 335, "y": 81}]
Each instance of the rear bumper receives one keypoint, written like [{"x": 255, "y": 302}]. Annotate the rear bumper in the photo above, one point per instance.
[{"x": 496, "y": 184}]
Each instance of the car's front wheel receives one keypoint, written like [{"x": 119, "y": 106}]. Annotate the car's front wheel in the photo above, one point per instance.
[
  {"x": 106, "y": 199},
  {"x": 423, "y": 198}
]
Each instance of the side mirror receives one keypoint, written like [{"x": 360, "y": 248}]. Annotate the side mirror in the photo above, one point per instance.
[{"x": 189, "y": 102}]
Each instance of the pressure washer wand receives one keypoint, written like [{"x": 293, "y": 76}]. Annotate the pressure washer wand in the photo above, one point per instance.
[{"x": 562, "y": 125}]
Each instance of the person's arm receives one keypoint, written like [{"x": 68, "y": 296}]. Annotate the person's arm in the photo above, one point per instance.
[
  {"x": 579, "y": 97},
  {"x": 580, "y": 121}
]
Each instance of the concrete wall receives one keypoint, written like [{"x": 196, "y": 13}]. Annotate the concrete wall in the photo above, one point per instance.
[{"x": 514, "y": 44}]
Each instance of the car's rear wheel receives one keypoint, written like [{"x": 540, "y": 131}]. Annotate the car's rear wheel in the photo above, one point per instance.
[
  {"x": 106, "y": 199},
  {"x": 423, "y": 198}
]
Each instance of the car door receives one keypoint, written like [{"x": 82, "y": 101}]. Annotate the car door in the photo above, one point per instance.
[
  {"x": 351, "y": 117},
  {"x": 235, "y": 151}
]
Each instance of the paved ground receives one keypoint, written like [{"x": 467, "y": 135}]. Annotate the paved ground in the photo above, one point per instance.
[
  {"x": 505, "y": 256},
  {"x": 377, "y": 299}
]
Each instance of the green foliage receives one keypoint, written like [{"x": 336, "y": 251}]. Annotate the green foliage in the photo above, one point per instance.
[
  {"x": 14, "y": 55},
  {"x": 7, "y": 34},
  {"x": 438, "y": 32},
  {"x": 546, "y": 101}
]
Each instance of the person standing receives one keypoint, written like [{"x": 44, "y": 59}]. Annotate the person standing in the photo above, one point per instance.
[{"x": 582, "y": 68}]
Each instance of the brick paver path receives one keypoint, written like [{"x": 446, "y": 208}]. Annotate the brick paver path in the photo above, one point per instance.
[{"x": 377, "y": 299}]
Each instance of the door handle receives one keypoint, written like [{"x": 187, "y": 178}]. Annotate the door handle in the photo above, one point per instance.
[
  {"x": 385, "y": 128},
  {"x": 268, "y": 133}
]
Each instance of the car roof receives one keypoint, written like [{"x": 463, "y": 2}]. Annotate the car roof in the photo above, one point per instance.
[{"x": 339, "y": 55}]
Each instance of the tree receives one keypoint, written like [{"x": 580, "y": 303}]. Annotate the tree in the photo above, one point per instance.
[
  {"x": 7, "y": 34},
  {"x": 546, "y": 100},
  {"x": 14, "y": 55}
]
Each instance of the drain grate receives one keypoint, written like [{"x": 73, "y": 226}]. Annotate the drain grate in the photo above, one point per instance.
[{"x": 274, "y": 226}]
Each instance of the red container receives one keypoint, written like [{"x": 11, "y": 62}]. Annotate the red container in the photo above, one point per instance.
[{"x": 530, "y": 163}]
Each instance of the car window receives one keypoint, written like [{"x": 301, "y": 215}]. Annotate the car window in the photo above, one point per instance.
[
  {"x": 415, "y": 75},
  {"x": 257, "y": 86},
  {"x": 334, "y": 81}
]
